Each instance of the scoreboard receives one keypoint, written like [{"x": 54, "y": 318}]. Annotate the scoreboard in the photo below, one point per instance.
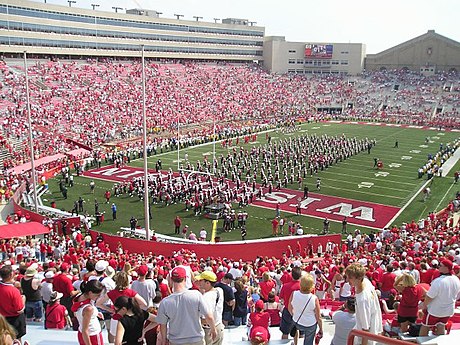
[{"x": 318, "y": 51}]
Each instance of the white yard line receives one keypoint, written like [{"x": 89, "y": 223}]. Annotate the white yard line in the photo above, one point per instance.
[{"x": 447, "y": 167}]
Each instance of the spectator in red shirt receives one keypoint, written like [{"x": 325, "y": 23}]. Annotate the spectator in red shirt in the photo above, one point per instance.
[
  {"x": 177, "y": 225},
  {"x": 13, "y": 311},
  {"x": 121, "y": 289},
  {"x": 387, "y": 282},
  {"x": 63, "y": 284},
  {"x": 411, "y": 295},
  {"x": 266, "y": 286},
  {"x": 275, "y": 223},
  {"x": 285, "y": 296},
  {"x": 259, "y": 318},
  {"x": 286, "y": 277},
  {"x": 164, "y": 289},
  {"x": 273, "y": 307},
  {"x": 57, "y": 315}
]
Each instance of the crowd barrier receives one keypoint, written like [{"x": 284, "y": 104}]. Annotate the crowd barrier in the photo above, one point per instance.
[{"x": 248, "y": 250}]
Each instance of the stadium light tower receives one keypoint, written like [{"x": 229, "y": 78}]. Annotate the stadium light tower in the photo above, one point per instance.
[
  {"x": 71, "y": 2},
  {"x": 179, "y": 16},
  {"x": 116, "y": 8},
  {"x": 197, "y": 18},
  {"x": 94, "y": 6},
  {"x": 216, "y": 19}
]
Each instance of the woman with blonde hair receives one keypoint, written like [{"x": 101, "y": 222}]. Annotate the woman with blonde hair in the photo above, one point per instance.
[
  {"x": 128, "y": 269},
  {"x": 121, "y": 289},
  {"x": 411, "y": 295},
  {"x": 7, "y": 332},
  {"x": 121, "y": 280},
  {"x": 368, "y": 312},
  {"x": 305, "y": 310},
  {"x": 266, "y": 285}
]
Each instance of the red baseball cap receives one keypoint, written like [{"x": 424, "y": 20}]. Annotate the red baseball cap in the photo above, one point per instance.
[
  {"x": 260, "y": 304},
  {"x": 261, "y": 333},
  {"x": 178, "y": 273},
  {"x": 447, "y": 263},
  {"x": 142, "y": 270}
]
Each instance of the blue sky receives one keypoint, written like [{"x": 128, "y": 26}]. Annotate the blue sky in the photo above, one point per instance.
[{"x": 378, "y": 24}]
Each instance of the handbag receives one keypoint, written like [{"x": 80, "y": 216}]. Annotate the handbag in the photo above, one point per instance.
[{"x": 294, "y": 328}]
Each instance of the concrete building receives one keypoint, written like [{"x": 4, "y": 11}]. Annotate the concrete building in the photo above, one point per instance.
[
  {"x": 46, "y": 30},
  {"x": 53, "y": 30},
  {"x": 428, "y": 54},
  {"x": 281, "y": 56}
]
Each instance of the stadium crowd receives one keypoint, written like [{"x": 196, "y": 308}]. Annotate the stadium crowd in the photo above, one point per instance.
[
  {"x": 80, "y": 282},
  {"x": 96, "y": 103},
  {"x": 68, "y": 275}
]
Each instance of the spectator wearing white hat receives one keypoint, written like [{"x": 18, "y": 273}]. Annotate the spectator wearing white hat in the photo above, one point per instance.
[
  {"x": 109, "y": 285},
  {"x": 47, "y": 288},
  {"x": 57, "y": 316}
]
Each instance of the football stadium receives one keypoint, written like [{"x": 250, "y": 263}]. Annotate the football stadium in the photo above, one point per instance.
[{"x": 199, "y": 182}]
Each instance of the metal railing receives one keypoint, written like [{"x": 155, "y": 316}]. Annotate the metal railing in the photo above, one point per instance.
[{"x": 378, "y": 338}]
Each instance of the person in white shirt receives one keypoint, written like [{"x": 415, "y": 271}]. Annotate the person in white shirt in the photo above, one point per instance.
[
  {"x": 109, "y": 285},
  {"x": 203, "y": 234},
  {"x": 214, "y": 299},
  {"x": 368, "y": 313},
  {"x": 47, "y": 288},
  {"x": 235, "y": 271},
  {"x": 440, "y": 299},
  {"x": 305, "y": 309}
]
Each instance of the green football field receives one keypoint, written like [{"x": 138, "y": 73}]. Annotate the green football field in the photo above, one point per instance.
[{"x": 355, "y": 178}]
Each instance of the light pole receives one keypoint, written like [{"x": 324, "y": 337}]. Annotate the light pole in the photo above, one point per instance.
[
  {"x": 146, "y": 174},
  {"x": 252, "y": 23},
  {"x": 178, "y": 16},
  {"x": 158, "y": 13},
  {"x": 71, "y": 2},
  {"x": 197, "y": 18},
  {"x": 31, "y": 140},
  {"x": 94, "y": 6},
  {"x": 216, "y": 19},
  {"x": 117, "y": 8}
]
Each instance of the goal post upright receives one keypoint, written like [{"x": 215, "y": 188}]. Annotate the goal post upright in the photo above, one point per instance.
[{"x": 214, "y": 140}]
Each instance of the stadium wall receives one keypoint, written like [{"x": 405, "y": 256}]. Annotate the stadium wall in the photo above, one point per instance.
[{"x": 245, "y": 251}]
